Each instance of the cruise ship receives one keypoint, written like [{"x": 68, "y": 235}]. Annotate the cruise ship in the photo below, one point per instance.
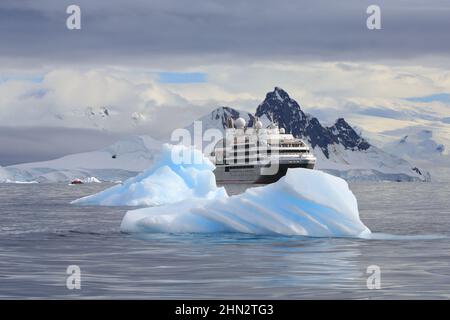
[{"x": 257, "y": 155}]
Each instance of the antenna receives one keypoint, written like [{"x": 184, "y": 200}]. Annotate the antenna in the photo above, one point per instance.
[{"x": 229, "y": 122}]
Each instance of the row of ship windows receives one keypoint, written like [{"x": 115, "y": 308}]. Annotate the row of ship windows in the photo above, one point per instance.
[
  {"x": 235, "y": 146},
  {"x": 227, "y": 169},
  {"x": 247, "y": 153},
  {"x": 258, "y": 143}
]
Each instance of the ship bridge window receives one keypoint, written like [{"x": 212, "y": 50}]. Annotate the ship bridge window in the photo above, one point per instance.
[
  {"x": 292, "y": 151},
  {"x": 241, "y": 167}
]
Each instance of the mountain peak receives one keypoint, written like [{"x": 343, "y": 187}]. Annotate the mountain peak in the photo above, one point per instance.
[
  {"x": 219, "y": 111},
  {"x": 342, "y": 124},
  {"x": 347, "y": 136},
  {"x": 286, "y": 112},
  {"x": 341, "y": 121},
  {"x": 280, "y": 108},
  {"x": 218, "y": 118},
  {"x": 278, "y": 94}
]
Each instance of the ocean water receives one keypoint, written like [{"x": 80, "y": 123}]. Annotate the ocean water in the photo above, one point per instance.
[{"x": 41, "y": 234}]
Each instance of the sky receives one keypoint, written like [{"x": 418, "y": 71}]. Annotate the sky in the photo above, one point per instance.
[{"x": 148, "y": 67}]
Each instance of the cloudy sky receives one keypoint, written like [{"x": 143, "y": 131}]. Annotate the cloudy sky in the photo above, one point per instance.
[{"x": 147, "y": 67}]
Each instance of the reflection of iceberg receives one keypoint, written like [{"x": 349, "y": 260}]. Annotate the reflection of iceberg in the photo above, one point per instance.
[
  {"x": 304, "y": 202},
  {"x": 165, "y": 182}
]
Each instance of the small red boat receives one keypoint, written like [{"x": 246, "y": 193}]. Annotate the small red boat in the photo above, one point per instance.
[{"x": 76, "y": 181}]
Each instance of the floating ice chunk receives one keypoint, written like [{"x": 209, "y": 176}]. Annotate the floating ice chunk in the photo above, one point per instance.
[
  {"x": 90, "y": 180},
  {"x": 165, "y": 182},
  {"x": 17, "y": 182},
  {"x": 304, "y": 202}
]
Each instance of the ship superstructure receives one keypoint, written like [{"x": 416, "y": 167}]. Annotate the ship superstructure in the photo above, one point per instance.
[{"x": 258, "y": 155}]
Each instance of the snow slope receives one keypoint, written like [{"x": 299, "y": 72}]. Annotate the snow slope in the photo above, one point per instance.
[
  {"x": 372, "y": 164},
  {"x": 420, "y": 145},
  {"x": 416, "y": 143},
  {"x": 119, "y": 161},
  {"x": 217, "y": 119}
]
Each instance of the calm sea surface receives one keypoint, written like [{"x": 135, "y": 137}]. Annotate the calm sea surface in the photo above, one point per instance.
[{"x": 41, "y": 234}]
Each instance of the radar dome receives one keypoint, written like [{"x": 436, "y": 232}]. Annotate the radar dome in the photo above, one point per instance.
[
  {"x": 282, "y": 131},
  {"x": 258, "y": 125},
  {"x": 239, "y": 123}
]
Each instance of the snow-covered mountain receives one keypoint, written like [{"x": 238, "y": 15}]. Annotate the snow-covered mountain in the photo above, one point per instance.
[
  {"x": 417, "y": 144},
  {"x": 424, "y": 146},
  {"x": 119, "y": 161},
  {"x": 339, "y": 148},
  {"x": 217, "y": 119},
  {"x": 279, "y": 108},
  {"x": 100, "y": 117}
]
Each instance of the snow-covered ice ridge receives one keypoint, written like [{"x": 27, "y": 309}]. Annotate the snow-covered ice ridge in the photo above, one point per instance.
[{"x": 185, "y": 198}]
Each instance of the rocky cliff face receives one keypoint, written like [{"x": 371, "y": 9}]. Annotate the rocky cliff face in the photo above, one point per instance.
[{"x": 278, "y": 107}]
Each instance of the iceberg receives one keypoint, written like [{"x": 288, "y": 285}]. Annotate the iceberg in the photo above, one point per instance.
[
  {"x": 184, "y": 198},
  {"x": 304, "y": 202},
  {"x": 91, "y": 180},
  {"x": 164, "y": 182}
]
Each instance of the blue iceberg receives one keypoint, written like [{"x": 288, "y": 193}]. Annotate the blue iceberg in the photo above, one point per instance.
[
  {"x": 304, "y": 202},
  {"x": 183, "y": 198},
  {"x": 164, "y": 182}
]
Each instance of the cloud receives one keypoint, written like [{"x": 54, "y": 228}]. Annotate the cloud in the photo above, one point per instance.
[
  {"x": 131, "y": 100},
  {"x": 108, "y": 99},
  {"x": 173, "y": 33}
]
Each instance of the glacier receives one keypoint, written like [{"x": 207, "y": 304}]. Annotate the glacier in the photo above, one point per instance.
[{"x": 164, "y": 182}]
